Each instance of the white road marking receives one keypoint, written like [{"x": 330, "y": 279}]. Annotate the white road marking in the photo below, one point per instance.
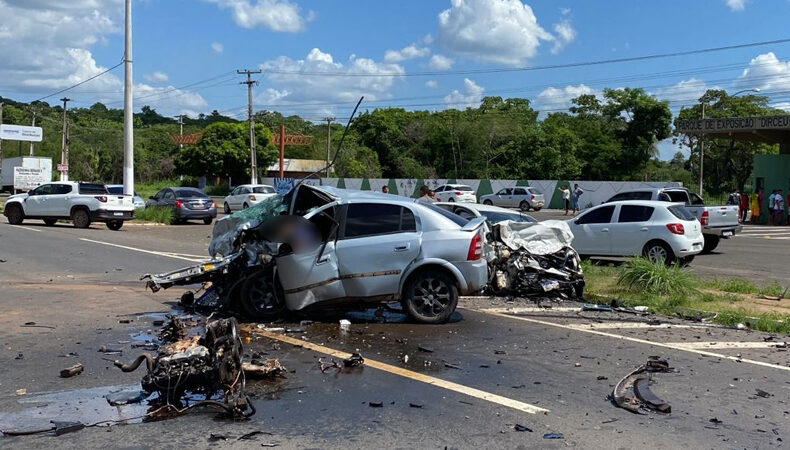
[
  {"x": 395, "y": 370},
  {"x": 182, "y": 256},
  {"x": 26, "y": 228},
  {"x": 531, "y": 309},
  {"x": 633, "y": 339},
  {"x": 725, "y": 345},
  {"x": 630, "y": 325}
]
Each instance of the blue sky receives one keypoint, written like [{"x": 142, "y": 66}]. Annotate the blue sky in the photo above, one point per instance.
[{"x": 186, "y": 51}]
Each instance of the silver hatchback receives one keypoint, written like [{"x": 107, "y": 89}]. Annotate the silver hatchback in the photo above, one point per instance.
[{"x": 524, "y": 198}]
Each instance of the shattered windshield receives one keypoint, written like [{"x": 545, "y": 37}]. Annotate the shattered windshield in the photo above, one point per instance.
[{"x": 225, "y": 236}]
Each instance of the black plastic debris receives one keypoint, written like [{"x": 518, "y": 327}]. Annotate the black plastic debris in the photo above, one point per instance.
[
  {"x": 762, "y": 393},
  {"x": 252, "y": 434},
  {"x": 355, "y": 360},
  {"x": 633, "y": 391},
  {"x": 715, "y": 421},
  {"x": 376, "y": 404},
  {"x": 415, "y": 405},
  {"x": 126, "y": 397},
  {"x": 519, "y": 427},
  {"x": 553, "y": 436},
  {"x": 425, "y": 349}
]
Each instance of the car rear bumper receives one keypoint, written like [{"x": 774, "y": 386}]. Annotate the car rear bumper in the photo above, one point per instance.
[
  {"x": 475, "y": 273},
  {"x": 724, "y": 232},
  {"x": 537, "y": 203},
  {"x": 183, "y": 213},
  {"x": 104, "y": 215},
  {"x": 466, "y": 199},
  {"x": 683, "y": 246}
]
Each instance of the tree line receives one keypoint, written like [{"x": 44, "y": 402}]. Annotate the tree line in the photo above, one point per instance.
[{"x": 611, "y": 137}]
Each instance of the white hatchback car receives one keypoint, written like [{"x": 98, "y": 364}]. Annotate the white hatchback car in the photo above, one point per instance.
[
  {"x": 660, "y": 231},
  {"x": 246, "y": 195},
  {"x": 455, "y": 193}
]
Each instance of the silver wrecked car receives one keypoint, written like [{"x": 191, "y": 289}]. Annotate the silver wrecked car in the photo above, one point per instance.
[{"x": 321, "y": 247}]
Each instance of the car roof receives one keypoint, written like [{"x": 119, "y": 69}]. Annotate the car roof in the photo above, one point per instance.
[
  {"x": 653, "y": 203},
  {"x": 253, "y": 185},
  {"x": 454, "y": 184},
  {"x": 187, "y": 188},
  {"x": 480, "y": 207}
]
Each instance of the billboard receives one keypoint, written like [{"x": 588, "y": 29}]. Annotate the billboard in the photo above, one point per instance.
[
  {"x": 21, "y": 133},
  {"x": 27, "y": 178}
]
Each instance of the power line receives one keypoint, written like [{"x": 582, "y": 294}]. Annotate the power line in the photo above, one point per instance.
[{"x": 78, "y": 84}]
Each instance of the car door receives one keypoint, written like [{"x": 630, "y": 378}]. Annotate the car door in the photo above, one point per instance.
[
  {"x": 503, "y": 197},
  {"x": 591, "y": 231},
  {"x": 58, "y": 203},
  {"x": 153, "y": 200},
  {"x": 230, "y": 197},
  {"x": 236, "y": 199},
  {"x": 377, "y": 243},
  {"x": 312, "y": 276},
  {"x": 519, "y": 195},
  {"x": 168, "y": 198},
  {"x": 632, "y": 229},
  {"x": 36, "y": 202}
]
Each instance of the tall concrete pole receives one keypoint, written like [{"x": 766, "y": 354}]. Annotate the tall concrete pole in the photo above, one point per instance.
[
  {"x": 328, "y": 141},
  {"x": 1, "y": 122},
  {"x": 128, "y": 116},
  {"x": 181, "y": 131},
  {"x": 701, "y": 152},
  {"x": 251, "y": 118},
  {"x": 34, "y": 124},
  {"x": 64, "y": 145}
]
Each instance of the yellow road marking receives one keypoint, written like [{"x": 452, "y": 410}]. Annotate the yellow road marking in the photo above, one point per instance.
[
  {"x": 669, "y": 345},
  {"x": 433, "y": 381}
]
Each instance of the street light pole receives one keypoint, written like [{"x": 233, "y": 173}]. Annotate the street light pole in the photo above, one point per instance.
[
  {"x": 128, "y": 116},
  {"x": 702, "y": 137}
]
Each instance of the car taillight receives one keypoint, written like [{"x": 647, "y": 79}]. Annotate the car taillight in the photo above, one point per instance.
[
  {"x": 101, "y": 198},
  {"x": 179, "y": 204},
  {"x": 252, "y": 198},
  {"x": 458, "y": 192},
  {"x": 704, "y": 218},
  {"x": 532, "y": 197},
  {"x": 676, "y": 228},
  {"x": 475, "y": 248},
  {"x": 214, "y": 204}
]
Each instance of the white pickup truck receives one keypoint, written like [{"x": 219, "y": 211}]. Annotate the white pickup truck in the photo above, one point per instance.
[
  {"x": 718, "y": 222},
  {"x": 82, "y": 203}
]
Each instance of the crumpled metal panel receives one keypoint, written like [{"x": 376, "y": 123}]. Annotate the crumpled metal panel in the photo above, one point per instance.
[
  {"x": 227, "y": 231},
  {"x": 541, "y": 238}
]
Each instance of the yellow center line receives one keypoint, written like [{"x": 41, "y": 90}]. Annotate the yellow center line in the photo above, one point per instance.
[{"x": 433, "y": 381}]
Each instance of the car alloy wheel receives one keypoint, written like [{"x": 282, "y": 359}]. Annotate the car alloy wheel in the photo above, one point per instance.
[
  {"x": 488, "y": 202},
  {"x": 430, "y": 297},
  {"x": 262, "y": 296},
  {"x": 524, "y": 206},
  {"x": 226, "y": 208},
  {"x": 658, "y": 252}
]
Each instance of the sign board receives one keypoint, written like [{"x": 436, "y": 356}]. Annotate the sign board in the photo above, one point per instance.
[
  {"x": 21, "y": 133},
  {"x": 63, "y": 167},
  {"x": 733, "y": 124},
  {"x": 26, "y": 178}
]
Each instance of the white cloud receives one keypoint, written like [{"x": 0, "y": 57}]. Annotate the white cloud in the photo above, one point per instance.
[
  {"x": 276, "y": 15},
  {"x": 167, "y": 100},
  {"x": 408, "y": 52},
  {"x": 440, "y": 62},
  {"x": 431, "y": 84},
  {"x": 554, "y": 99},
  {"x": 217, "y": 47},
  {"x": 565, "y": 35},
  {"x": 565, "y": 11},
  {"x": 685, "y": 92},
  {"x": 470, "y": 97},
  {"x": 157, "y": 76},
  {"x": 736, "y": 5},
  {"x": 503, "y": 31},
  {"x": 765, "y": 72},
  {"x": 428, "y": 39},
  {"x": 289, "y": 87}
]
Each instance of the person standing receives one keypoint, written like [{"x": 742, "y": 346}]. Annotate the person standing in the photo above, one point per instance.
[
  {"x": 385, "y": 189},
  {"x": 566, "y": 197},
  {"x": 771, "y": 213},
  {"x": 425, "y": 196},
  {"x": 577, "y": 192},
  {"x": 755, "y": 207},
  {"x": 779, "y": 202},
  {"x": 760, "y": 198},
  {"x": 744, "y": 200}
]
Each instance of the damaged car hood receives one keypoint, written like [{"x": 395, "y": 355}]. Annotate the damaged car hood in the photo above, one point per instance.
[
  {"x": 225, "y": 238},
  {"x": 541, "y": 238}
]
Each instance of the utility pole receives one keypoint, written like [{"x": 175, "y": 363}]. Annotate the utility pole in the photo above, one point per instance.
[
  {"x": 701, "y": 151},
  {"x": 128, "y": 116},
  {"x": 34, "y": 124},
  {"x": 253, "y": 157},
  {"x": 181, "y": 131},
  {"x": 329, "y": 121},
  {"x": 64, "y": 145}
]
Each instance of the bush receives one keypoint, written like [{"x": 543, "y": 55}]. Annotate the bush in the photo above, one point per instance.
[
  {"x": 738, "y": 286},
  {"x": 219, "y": 190},
  {"x": 642, "y": 275},
  {"x": 158, "y": 214}
]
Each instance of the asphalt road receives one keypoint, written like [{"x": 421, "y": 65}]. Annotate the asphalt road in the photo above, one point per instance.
[{"x": 495, "y": 365}]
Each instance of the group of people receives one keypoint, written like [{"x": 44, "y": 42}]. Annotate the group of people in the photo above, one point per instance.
[
  {"x": 741, "y": 199},
  {"x": 755, "y": 203},
  {"x": 571, "y": 198},
  {"x": 776, "y": 207}
]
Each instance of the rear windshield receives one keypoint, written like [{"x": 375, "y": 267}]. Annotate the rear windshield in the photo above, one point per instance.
[
  {"x": 534, "y": 191},
  {"x": 681, "y": 212},
  {"x": 92, "y": 188},
  {"x": 189, "y": 193},
  {"x": 494, "y": 217},
  {"x": 458, "y": 220},
  {"x": 462, "y": 188},
  {"x": 263, "y": 190},
  {"x": 678, "y": 196},
  {"x": 116, "y": 190}
]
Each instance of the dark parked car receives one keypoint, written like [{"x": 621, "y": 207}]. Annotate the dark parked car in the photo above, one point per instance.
[{"x": 187, "y": 203}]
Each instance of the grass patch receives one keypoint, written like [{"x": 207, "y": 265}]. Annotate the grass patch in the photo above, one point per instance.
[
  {"x": 738, "y": 286},
  {"x": 156, "y": 214},
  {"x": 640, "y": 274},
  {"x": 773, "y": 289}
]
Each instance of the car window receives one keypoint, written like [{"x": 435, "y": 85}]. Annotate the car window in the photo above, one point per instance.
[
  {"x": 370, "y": 219},
  {"x": 519, "y": 191},
  {"x": 635, "y": 213},
  {"x": 190, "y": 193},
  {"x": 246, "y": 191},
  {"x": 663, "y": 197},
  {"x": 502, "y": 192},
  {"x": 598, "y": 215},
  {"x": 235, "y": 191},
  {"x": 678, "y": 196},
  {"x": 92, "y": 188},
  {"x": 44, "y": 189},
  {"x": 696, "y": 199},
  {"x": 61, "y": 189},
  {"x": 458, "y": 220},
  {"x": 681, "y": 212},
  {"x": 463, "y": 188},
  {"x": 464, "y": 212},
  {"x": 168, "y": 195},
  {"x": 115, "y": 190},
  {"x": 635, "y": 195},
  {"x": 439, "y": 189},
  {"x": 533, "y": 191},
  {"x": 264, "y": 190}
]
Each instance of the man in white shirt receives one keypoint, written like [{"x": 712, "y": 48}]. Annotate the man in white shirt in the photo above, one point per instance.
[{"x": 566, "y": 197}]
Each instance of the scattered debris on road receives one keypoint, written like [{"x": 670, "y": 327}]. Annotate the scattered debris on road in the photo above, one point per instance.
[
  {"x": 269, "y": 368},
  {"x": 553, "y": 436},
  {"x": 642, "y": 400},
  {"x": 69, "y": 372},
  {"x": 519, "y": 427}
]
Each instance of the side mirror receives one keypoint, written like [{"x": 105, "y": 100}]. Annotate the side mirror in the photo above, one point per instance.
[{"x": 152, "y": 198}]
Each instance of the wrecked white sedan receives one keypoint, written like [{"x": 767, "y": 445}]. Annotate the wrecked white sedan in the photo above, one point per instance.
[{"x": 320, "y": 247}]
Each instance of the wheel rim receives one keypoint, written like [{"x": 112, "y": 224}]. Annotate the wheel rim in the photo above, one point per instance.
[
  {"x": 226, "y": 208},
  {"x": 261, "y": 295},
  {"x": 657, "y": 254},
  {"x": 524, "y": 206},
  {"x": 431, "y": 297},
  {"x": 487, "y": 202}
]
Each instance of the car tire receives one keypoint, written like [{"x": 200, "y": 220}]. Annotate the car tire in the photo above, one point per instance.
[
  {"x": 81, "y": 218},
  {"x": 50, "y": 222},
  {"x": 659, "y": 251},
  {"x": 208, "y": 220},
  {"x": 537, "y": 209},
  {"x": 430, "y": 296},
  {"x": 488, "y": 202},
  {"x": 245, "y": 206},
  {"x": 15, "y": 215},
  {"x": 685, "y": 261},
  {"x": 261, "y": 296},
  {"x": 524, "y": 206},
  {"x": 451, "y": 200},
  {"x": 226, "y": 208},
  {"x": 114, "y": 225},
  {"x": 711, "y": 242}
]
